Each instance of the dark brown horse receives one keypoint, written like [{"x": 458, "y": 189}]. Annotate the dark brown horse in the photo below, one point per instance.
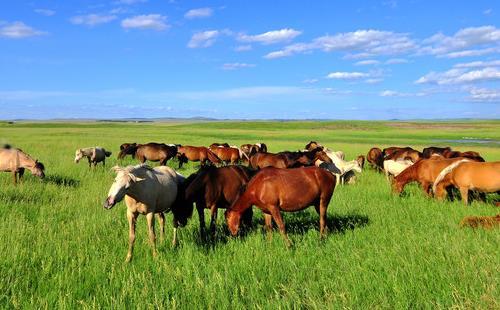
[
  {"x": 389, "y": 150},
  {"x": 213, "y": 188},
  {"x": 375, "y": 158},
  {"x": 431, "y": 150},
  {"x": 274, "y": 190},
  {"x": 469, "y": 154},
  {"x": 196, "y": 153},
  {"x": 424, "y": 172},
  {"x": 288, "y": 159},
  {"x": 229, "y": 154},
  {"x": 127, "y": 149}
]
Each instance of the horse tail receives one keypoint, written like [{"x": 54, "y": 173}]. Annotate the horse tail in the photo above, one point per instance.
[
  {"x": 445, "y": 171},
  {"x": 107, "y": 153},
  {"x": 212, "y": 157}
]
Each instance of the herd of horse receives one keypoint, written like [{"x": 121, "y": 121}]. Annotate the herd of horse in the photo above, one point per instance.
[{"x": 237, "y": 178}]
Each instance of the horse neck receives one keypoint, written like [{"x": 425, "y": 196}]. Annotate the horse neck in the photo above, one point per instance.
[
  {"x": 407, "y": 175},
  {"x": 25, "y": 161},
  {"x": 242, "y": 203}
]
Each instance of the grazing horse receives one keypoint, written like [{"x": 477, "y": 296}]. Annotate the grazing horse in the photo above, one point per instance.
[
  {"x": 424, "y": 172},
  {"x": 389, "y": 150},
  {"x": 196, "y": 153},
  {"x": 156, "y": 152},
  {"x": 431, "y": 150},
  {"x": 487, "y": 222},
  {"x": 346, "y": 168},
  {"x": 313, "y": 145},
  {"x": 395, "y": 167},
  {"x": 469, "y": 154},
  {"x": 375, "y": 158},
  {"x": 274, "y": 190},
  {"x": 213, "y": 188},
  {"x": 405, "y": 154},
  {"x": 218, "y": 144},
  {"x": 94, "y": 155},
  {"x": 287, "y": 159},
  {"x": 147, "y": 191},
  {"x": 229, "y": 154},
  {"x": 15, "y": 161},
  {"x": 250, "y": 149},
  {"x": 127, "y": 149},
  {"x": 468, "y": 175}
]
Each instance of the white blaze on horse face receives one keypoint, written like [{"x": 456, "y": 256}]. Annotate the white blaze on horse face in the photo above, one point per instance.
[
  {"x": 78, "y": 156},
  {"x": 119, "y": 188}
]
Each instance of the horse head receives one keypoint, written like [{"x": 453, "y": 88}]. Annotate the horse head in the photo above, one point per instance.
[
  {"x": 38, "y": 169},
  {"x": 124, "y": 179},
  {"x": 78, "y": 155}
]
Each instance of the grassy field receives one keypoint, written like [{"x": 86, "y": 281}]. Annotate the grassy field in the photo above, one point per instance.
[{"x": 60, "y": 248}]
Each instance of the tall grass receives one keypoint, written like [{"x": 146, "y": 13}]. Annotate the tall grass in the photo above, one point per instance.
[{"x": 60, "y": 248}]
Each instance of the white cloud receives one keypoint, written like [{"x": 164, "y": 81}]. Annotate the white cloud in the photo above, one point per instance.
[
  {"x": 203, "y": 39},
  {"x": 18, "y": 30},
  {"x": 198, "y": 13},
  {"x": 92, "y": 19},
  {"x": 364, "y": 43},
  {"x": 394, "y": 61},
  {"x": 367, "y": 62},
  {"x": 347, "y": 75},
  {"x": 460, "y": 76},
  {"x": 152, "y": 21},
  {"x": 478, "y": 64},
  {"x": 271, "y": 37},
  {"x": 45, "y": 12},
  {"x": 484, "y": 95},
  {"x": 243, "y": 48},
  {"x": 393, "y": 93},
  {"x": 236, "y": 65},
  {"x": 472, "y": 41},
  {"x": 374, "y": 80}
]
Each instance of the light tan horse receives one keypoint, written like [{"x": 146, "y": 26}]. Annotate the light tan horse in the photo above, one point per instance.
[
  {"x": 147, "y": 191},
  {"x": 15, "y": 161},
  {"x": 467, "y": 176},
  {"x": 94, "y": 155}
]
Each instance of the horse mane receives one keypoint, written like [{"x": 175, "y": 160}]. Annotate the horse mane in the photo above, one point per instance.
[{"x": 445, "y": 171}]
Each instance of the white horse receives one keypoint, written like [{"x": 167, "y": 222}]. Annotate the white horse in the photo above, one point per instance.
[
  {"x": 395, "y": 167},
  {"x": 94, "y": 155},
  {"x": 345, "y": 167},
  {"x": 147, "y": 191}
]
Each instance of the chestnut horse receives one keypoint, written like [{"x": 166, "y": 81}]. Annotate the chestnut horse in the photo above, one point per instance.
[
  {"x": 15, "y": 161},
  {"x": 486, "y": 222},
  {"x": 196, "y": 153},
  {"x": 213, "y": 188},
  {"x": 152, "y": 151},
  {"x": 431, "y": 150},
  {"x": 287, "y": 159},
  {"x": 424, "y": 172},
  {"x": 218, "y": 144},
  {"x": 274, "y": 190},
  {"x": 229, "y": 154},
  {"x": 467, "y": 175},
  {"x": 375, "y": 158}
]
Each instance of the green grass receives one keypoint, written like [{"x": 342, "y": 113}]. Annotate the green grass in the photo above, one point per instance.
[{"x": 60, "y": 248}]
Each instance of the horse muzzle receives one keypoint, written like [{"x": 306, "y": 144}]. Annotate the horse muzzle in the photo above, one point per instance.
[{"x": 109, "y": 203}]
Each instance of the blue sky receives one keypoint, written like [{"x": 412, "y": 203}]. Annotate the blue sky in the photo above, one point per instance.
[{"x": 250, "y": 59}]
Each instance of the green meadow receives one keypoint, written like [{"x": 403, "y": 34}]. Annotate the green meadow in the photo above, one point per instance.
[{"x": 60, "y": 249}]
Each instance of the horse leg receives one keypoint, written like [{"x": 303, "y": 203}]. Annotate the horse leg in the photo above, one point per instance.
[
  {"x": 213, "y": 219},
  {"x": 275, "y": 212},
  {"x": 268, "y": 219},
  {"x": 20, "y": 174},
  {"x": 104, "y": 163},
  {"x": 426, "y": 186},
  {"x": 464, "y": 192},
  {"x": 321, "y": 209},
  {"x": 14, "y": 177},
  {"x": 132, "y": 219},
  {"x": 161, "y": 219},
  {"x": 90, "y": 162},
  {"x": 201, "y": 216},
  {"x": 150, "y": 217}
]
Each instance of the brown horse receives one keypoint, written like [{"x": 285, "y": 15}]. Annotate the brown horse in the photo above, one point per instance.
[
  {"x": 127, "y": 149},
  {"x": 375, "y": 158},
  {"x": 213, "y": 188},
  {"x": 15, "y": 161},
  {"x": 274, "y": 190},
  {"x": 431, "y": 150},
  {"x": 404, "y": 154},
  {"x": 424, "y": 172},
  {"x": 469, "y": 154},
  {"x": 467, "y": 175},
  {"x": 151, "y": 151},
  {"x": 288, "y": 159},
  {"x": 361, "y": 160},
  {"x": 313, "y": 145},
  {"x": 389, "y": 150},
  {"x": 229, "y": 154},
  {"x": 196, "y": 153}
]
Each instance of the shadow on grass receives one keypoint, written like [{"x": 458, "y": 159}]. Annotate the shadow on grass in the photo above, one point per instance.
[
  {"x": 338, "y": 224},
  {"x": 62, "y": 181}
]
